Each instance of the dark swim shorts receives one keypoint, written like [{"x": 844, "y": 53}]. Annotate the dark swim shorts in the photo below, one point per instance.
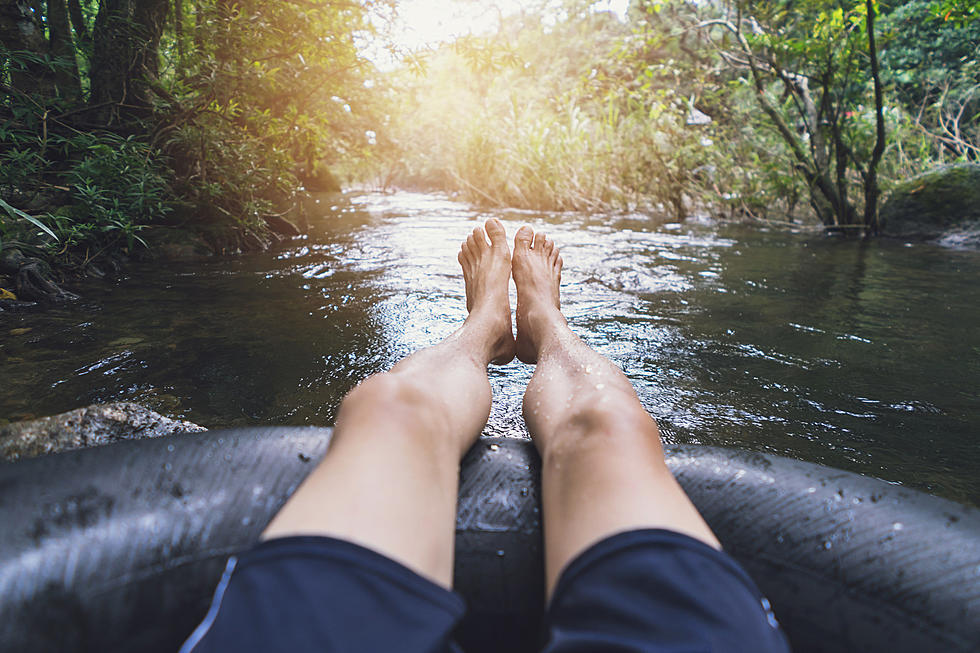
[{"x": 646, "y": 590}]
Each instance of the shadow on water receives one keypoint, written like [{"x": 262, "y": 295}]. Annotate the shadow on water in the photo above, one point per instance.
[{"x": 863, "y": 356}]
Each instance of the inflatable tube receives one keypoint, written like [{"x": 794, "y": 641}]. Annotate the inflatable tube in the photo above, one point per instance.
[{"x": 118, "y": 548}]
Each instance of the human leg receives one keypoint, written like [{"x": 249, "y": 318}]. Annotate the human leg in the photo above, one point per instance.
[
  {"x": 603, "y": 469},
  {"x": 389, "y": 481},
  {"x": 361, "y": 556},
  {"x": 630, "y": 565}
]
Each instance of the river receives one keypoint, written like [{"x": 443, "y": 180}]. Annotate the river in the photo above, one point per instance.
[{"x": 863, "y": 356}]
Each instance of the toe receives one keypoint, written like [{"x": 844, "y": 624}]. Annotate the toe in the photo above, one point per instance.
[
  {"x": 470, "y": 250},
  {"x": 539, "y": 241},
  {"x": 522, "y": 239},
  {"x": 495, "y": 229},
  {"x": 480, "y": 238}
]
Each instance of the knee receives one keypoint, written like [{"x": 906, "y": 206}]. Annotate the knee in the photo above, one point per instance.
[
  {"x": 384, "y": 387},
  {"x": 609, "y": 420},
  {"x": 606, "y": 428},
  {"x": 392, "y": 397}
]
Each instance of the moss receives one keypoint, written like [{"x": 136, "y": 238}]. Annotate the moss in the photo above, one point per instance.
[{"x": 933, "y": 202}]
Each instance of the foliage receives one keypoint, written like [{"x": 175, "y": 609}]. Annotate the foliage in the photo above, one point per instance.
[
  {"x": 807, "y": 67},
  {"x": 117, "y": 116},
  {"x": 118, "y": 186},
  {"x": 582, "y": 111},
  {"x": 206, "y": 113},
  {"x": 495, "y": 119},
  {"x": 802, "y": 102},
  {"x": 587, "y": 113},
  {"x": 931, "y": 60},
  {"x": 17, "y": 214},
  {"x": 16, "y": 223}
]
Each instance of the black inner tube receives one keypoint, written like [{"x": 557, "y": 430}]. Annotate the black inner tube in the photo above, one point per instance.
[{"x": 118, "y": 548}]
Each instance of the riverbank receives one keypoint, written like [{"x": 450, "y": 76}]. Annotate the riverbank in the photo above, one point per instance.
[{"x": 30, "y": 274}]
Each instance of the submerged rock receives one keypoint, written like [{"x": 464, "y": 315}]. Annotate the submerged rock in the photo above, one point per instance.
[
  {"x": 934, "y": 203},
  {"x": 86, "y": 427}
]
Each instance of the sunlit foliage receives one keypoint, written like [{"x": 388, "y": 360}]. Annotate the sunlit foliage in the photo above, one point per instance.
[
  {"x": 541, "y": 115},
  {"x": 779, "y": 110},
  {"x": 121, "y": 117}
]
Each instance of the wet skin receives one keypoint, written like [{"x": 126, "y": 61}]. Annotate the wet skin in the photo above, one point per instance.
[{"x": 603, "y": 467}]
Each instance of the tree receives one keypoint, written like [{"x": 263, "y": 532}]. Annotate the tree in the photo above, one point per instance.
[
  {"x": 930, "y": 59},
  {"x": 125, "y": 56},
  {"x": 811, "y": 65},
  {"x": 62, "y": 49},
  {"x": 118, "y": 115},
  {"x": 22, "y": 36}
]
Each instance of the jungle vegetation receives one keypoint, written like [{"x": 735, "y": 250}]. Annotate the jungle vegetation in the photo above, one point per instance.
[
  {"x": 783, "y": 110},
  {"x": 123, "y": 122}
]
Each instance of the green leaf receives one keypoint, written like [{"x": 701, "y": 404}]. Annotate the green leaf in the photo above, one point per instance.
[{"x": 17, "y": 213}]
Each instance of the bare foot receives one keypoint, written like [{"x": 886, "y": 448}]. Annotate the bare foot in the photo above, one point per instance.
[
  {"x": 537, "y": 273},
  {"x": 486, "y": 271}
]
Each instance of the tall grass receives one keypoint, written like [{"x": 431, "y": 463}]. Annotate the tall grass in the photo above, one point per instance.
[
  {"x": 587, "y": 115},
  {"x": 509, "y": 146}
]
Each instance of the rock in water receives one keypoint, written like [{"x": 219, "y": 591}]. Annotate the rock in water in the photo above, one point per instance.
[
  {"x": 933, "y": 203},
  {"x": 86, "y": 427}
]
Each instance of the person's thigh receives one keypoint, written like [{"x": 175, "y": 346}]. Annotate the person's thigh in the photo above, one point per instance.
[
  {"x": 658, "y": 591},
  {"x": 308, "y": 593}
]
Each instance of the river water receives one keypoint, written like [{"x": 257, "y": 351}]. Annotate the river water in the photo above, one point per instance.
[{"x": 863, "y": 356}]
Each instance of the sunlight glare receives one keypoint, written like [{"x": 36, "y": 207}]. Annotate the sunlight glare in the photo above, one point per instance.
[{"x": 423, "y": 23}]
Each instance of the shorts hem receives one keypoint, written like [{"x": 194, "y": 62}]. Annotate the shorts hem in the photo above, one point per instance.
[
  {"x": 348, "y": 553},
  {"x": 645, "y": 538}
]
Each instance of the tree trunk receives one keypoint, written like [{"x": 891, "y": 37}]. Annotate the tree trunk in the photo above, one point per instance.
[
  {"x": 150, "y": 17},
  {"x": 63, "y": 50},
  {"x": 126, "y": 42},
  {"x": 871, "y": 179},
  {"x": 21, "y": 31},
  {"x": 200, "y": 28},
  {"x": 110, "y": 77},
  {"x": 78, "y": 22},
  {"x": 224, "y": 47},
  {"x": 179, "y": 35}
]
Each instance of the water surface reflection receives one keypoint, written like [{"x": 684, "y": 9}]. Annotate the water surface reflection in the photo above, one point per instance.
[{"x": 861, "y": 356}]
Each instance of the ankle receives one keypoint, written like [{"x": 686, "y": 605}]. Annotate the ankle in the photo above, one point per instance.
[
  {"x": 545, "y": 323},
  {"x": 489, "y": 316},
  {"x": 486, "y": 339}
]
